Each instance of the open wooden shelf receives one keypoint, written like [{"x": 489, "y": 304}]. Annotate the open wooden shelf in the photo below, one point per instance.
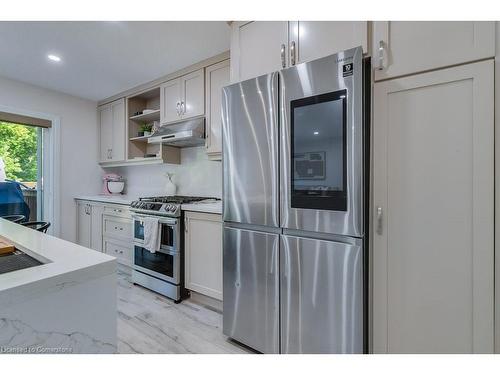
[{"x": 147, "y": 117}]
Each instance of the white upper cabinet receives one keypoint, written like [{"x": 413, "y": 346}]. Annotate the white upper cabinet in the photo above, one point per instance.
[
  {"x": 217, "y": 76},
  {"x": 193, "y": 94},
  {"x": 262, "y": 47},
  {"x": 106, "y": 132},
  {"x": 119, "y": 130},
  {"x": 183, "y": 97},
  {"x": 257, "y": 48},
  {"x": 310, "y": 40},
  {"x": 112, "y": 131},
  {"x": 401, "y": 48},
  {"x": 170, "y": 101}
]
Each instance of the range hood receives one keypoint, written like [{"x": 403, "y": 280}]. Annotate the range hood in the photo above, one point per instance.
[{"x": 182, "y": 134}]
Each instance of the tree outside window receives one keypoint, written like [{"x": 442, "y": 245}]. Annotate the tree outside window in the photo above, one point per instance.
[{"x": 18, "y": 149}]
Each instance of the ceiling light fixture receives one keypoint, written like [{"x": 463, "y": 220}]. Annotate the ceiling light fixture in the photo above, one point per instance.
[
  {"x": 316, "y": 133},
  {"x": 54, "y": 58}
]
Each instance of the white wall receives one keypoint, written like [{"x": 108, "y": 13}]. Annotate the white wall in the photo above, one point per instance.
[
  {"x": 196, "y": 175},
  {"x": 79, "y": 172}
]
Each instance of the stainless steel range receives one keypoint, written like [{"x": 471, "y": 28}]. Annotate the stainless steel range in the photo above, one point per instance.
[{"x": 161, "y": 271}]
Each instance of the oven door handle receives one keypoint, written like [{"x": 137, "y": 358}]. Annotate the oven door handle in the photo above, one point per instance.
[
  {"x": 163, "y": 250},
  {"x": 161, "y": 220}
]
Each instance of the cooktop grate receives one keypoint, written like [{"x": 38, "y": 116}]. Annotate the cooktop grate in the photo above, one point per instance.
[
  {"x": 176, "y": 199},
  {"x": 17, "y": 261}
]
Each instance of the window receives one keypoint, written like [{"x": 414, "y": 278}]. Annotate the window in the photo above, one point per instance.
[{"x": 21, "y": 152}]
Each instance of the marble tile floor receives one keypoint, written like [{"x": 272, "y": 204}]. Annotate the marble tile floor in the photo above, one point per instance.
[{"x": 151, "y": 323}]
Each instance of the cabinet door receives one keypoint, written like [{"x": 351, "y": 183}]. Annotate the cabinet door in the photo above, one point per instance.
[
  {"x": 96, "y": 212},
  {"x": 170, "y": 101},
  {"x": 203, "y": 246},
  {"x": 83, "y": 222},
  {"x": 401, "y": 48},
  {"x": 217, "y": 76},
  {"x": 433, "y": 212},
  {"x": 257, "y": 48},
  {"x": 119, "y": 133},
  {"x": 314, "y": 39},
  {"x": 106, "y": 132},
  {"x": 122, "y": 251},
  {"x": 193, "y": 94}
]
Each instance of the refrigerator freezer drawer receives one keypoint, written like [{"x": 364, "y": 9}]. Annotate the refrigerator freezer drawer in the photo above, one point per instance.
[
  {"x": 321, "y": 296},
  {"x": 251, "y": 286}
]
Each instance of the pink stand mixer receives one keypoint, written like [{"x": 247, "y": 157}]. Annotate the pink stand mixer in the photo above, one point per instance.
[{"x": 112, "y": 184}]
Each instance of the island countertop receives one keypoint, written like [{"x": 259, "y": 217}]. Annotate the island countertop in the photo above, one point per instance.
[{"x": 64, "y": 263}]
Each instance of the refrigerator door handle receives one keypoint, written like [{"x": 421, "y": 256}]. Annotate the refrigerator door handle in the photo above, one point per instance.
[{"x": 379, "y": 221}]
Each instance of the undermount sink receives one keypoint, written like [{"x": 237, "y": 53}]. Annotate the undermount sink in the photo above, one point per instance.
[{"x": 17, "y": 261}]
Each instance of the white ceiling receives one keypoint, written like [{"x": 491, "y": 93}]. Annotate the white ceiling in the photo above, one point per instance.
[{"x": 100, "y": 59}]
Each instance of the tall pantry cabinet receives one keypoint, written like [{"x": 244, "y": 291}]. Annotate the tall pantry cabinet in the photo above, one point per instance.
[{"x": 433, "y": 188}]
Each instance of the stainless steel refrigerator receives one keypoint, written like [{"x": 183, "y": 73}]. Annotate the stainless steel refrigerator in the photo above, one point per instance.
[{"x": 295, "y": 162}]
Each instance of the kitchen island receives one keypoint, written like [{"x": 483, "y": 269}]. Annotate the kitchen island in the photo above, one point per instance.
[{"x": 67, "y": 304}]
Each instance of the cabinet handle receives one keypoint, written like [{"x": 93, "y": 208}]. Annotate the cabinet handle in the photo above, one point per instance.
[
  {"x": 292, "y": 53},
  {"x": 381, "y": 50},
  {"x": 185, "y": 225},
  {"x": 283, "y": 57},
  {"x": 379, "y": 221},
  {"x": 177, "y": 108},
  {"x": 183, "y": 108}
]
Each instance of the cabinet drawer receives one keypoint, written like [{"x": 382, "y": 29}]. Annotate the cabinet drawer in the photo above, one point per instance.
[
  {"x": 120, "y": 250},
  {"x": 117, "y": 210},
  {"x": 117, "y": 227}
]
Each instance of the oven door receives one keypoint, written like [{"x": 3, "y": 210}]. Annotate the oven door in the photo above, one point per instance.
[
  {"x": 163, "y": 264},
  {"x": 169, "y": 232},
  {"x": 321, "y": 159}
]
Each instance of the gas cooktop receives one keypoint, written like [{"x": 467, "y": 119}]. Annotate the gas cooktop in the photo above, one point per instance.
[{"x": 166, "y": 205}]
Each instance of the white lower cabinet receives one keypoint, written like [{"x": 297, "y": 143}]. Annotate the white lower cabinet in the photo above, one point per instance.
[
  {"x": 89, "y": 230},
  {"x": 203, "y": 253},
  {"x": 121, "y": 250},
  {"x": 433, "y": 255},
  {"x": 106, "y": 228}
]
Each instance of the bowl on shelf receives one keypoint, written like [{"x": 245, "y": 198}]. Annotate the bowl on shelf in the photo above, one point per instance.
[{"x": 116, "y": 187}]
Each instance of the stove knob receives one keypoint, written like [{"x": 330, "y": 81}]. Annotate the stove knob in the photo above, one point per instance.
[{"x": 173, "y": 208}]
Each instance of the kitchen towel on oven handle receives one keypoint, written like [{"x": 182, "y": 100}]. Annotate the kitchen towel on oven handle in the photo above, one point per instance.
[{"x": 151, "y": 234}]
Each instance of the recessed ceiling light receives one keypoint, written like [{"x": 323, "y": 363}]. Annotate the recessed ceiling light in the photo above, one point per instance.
[
  {"x": 54, "y": 58},
  {"x": 316, "y": 133}
]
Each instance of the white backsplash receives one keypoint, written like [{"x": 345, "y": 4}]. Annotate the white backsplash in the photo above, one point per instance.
[{"x": 196, "y": 175}]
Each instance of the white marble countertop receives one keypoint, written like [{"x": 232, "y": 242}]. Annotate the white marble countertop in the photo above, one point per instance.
[
  {"x": 209, "y": 207},
  {"x": 65, "y": 263},
  {"x": 116, "y": 199}
]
